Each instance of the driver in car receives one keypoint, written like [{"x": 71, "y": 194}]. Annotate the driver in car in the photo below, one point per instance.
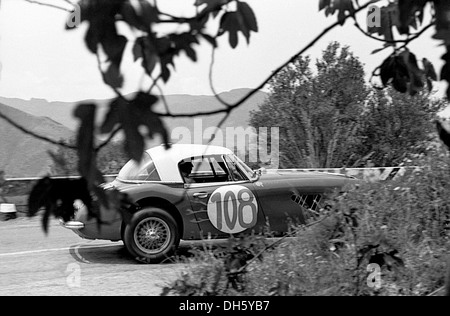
[{"x": 186, "y": 169}]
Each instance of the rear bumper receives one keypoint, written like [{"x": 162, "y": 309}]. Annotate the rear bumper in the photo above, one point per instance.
[{"x": 89, "y": 228}]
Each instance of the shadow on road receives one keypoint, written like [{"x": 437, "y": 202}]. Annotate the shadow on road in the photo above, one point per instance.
[{"x": 116, "y": 253}]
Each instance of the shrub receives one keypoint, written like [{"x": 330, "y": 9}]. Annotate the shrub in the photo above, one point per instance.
[{"x": 395, "y": 232}]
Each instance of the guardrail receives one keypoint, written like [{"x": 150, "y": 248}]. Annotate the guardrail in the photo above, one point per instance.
[
  {"x": 16, "y": 190},
  {"x": 367, "y": 174}
]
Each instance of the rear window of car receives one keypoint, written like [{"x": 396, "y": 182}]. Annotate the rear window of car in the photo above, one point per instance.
[{"x": 143, "y": 171}]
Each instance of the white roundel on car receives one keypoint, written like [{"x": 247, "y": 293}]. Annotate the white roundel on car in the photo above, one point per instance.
[{"x": 232, "y": 209}]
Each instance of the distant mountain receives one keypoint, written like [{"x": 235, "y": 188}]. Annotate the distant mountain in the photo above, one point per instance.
[
  {"x": 196, "y": 129},
  {"x": 61, "y": 112},
  {"x": 179, "y": 103},
  {"x": 22, "y": 155}
]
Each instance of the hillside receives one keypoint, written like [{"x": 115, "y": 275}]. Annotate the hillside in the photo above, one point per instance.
[
  {"x": 198, "y": 125},
  {"x": 55, "y": 120},
  {"x": 22, "y": 155},
  {"x": 182, "y": 103}
]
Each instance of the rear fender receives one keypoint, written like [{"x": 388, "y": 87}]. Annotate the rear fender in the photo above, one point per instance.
[{"x": 173, "y": 199}]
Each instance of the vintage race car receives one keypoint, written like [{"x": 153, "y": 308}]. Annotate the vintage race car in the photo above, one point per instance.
[{"x": 191, "y": 192}]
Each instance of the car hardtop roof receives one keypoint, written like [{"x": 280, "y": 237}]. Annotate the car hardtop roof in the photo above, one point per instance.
[{"x": 178, "y": 152}]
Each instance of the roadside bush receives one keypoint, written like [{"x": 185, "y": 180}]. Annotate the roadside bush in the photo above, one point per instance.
[{"x": 383, "y": 238}]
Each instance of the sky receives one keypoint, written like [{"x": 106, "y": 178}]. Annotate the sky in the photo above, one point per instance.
[{"x": 40, "y": 59}]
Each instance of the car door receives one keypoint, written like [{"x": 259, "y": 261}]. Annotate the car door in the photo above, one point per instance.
[{"x": 222, "y": 198}]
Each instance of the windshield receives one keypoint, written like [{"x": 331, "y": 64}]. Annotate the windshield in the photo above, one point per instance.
[
  {"x": 143, "y": 171},
  {"x": 246, "y": 169}
]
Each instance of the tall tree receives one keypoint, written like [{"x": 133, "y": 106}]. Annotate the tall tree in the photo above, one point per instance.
[
  {"x": 317, "y": 112},
  {"x": 395, "y": 126}
]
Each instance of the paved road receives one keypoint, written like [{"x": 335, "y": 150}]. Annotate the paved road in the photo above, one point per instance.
[{"x": 61, "y": 263}]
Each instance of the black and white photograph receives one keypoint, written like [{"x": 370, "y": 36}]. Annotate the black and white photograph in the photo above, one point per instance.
[{"x": 225, "y": 155}]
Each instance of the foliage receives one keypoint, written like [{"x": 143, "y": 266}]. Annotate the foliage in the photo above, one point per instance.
[
  {"x": 156, "y": 50},
  {"x": 401, "y": 69},
  {"x": 370, "y": 221},
  {"x": 394, "y": 127},
  {"x": 111, "y": 159},
  {"x": 317, "y": 113},
  {"x": 332, "y": 119},
  {"x": 403, "y": 226}
]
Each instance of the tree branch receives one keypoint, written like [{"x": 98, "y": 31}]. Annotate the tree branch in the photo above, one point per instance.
[
  {"x": 402, "y": 41},
  {"x": 51, "y": 5},
  {"x": 28, "y": 132},
  {"x": 211, "y": 85},
  {"x": 110, "y": 137},
  {"x": 231, "y": 107}
]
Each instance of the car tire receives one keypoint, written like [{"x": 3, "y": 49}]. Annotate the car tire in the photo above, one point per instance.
[{"x": 151, "y": 236}]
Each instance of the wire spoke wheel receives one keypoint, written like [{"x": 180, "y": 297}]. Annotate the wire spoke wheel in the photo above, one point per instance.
[{"x": 152, "y": 235}]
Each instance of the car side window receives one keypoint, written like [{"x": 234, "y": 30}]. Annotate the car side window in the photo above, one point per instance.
[
  {"x": 143, "y": 171},
  {"x": 204, "y": 169}
]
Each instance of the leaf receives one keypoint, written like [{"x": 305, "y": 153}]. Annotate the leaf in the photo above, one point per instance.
[
  {"x": 102, "y": 18},
  {"x": 414, "y": 72},
  {"x": 445, "y": 71},
  {"x": 442, "y": 14},
  {"x": 401, "y": 75},
  {"x": 184, "y": 42},
  {"x": 92, "y": 39},
  {"x": 430, "y": 73},
  {"x": 386, "y": 23},
  {"x": 139, "y": 14},
  {"x": 404, "y": 73},
  {"x": 102, "y": 30},
  {"x": 132, "y": 115},
  {"x": 144, "y": 49},
  {"x": 429, "y": 69},
  {"x": 141, "y": 108},
  {"x": 410, "y": 14},
  {"x": 443, "y": 133},
  {"x": 57, "y": 196},
  {"x": 112, "y": 118},
  {"x": 166, "y": 54},
  {"x": 113, "y": 77},
  {"x": 342, "y": 6},
  {"x": 377, "y": 50},
  {"x": 212, "y": 6},
  {"x": 387, "y": 71},
  {"x": 230, "y": 22},
  {"x": 243, "y": 20},
  {"x": 249, "y": 17},
  {"x": 85, "y": 144},
  {"x": 324, "y": 4},
  {"x": 134, "y": 141},
  {"x": 114, "y": 47},
  {"x": 121, "y": 201}
]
